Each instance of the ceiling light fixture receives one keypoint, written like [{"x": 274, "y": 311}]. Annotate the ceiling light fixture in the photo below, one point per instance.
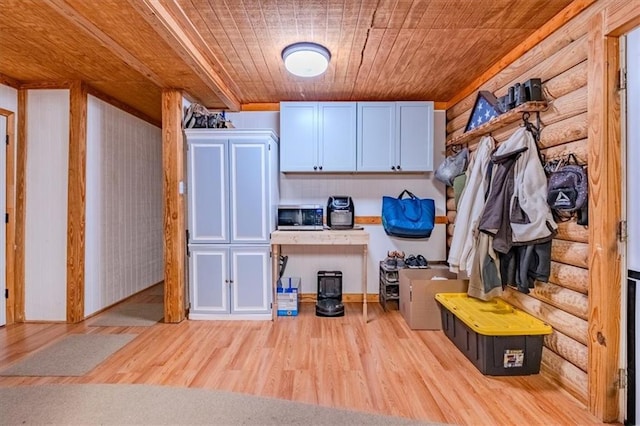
[{"x": 306, "y": 59}]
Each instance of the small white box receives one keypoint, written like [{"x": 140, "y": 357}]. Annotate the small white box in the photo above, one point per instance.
[{"x": 288, "y": 296}]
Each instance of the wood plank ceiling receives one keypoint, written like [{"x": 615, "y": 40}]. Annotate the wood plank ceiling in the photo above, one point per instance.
[{"x": 226, "y": 53}]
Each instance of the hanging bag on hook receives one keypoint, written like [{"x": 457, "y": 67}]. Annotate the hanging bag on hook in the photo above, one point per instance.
[
  {"x": 411, "y": 217},
  {"x": 452, "y": 166},
  {"x": 567, "y": 190}
]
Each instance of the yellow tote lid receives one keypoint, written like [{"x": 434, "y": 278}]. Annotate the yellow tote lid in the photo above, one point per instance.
[{"x": 493, "y": 318}]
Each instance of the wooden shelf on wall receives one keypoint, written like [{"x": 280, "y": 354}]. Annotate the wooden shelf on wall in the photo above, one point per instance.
[{"x": 502, "y": 120}]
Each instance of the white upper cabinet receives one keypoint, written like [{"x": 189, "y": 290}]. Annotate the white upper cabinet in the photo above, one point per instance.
[
  {"x": 318, "y": 136},
  {"x": 395, "y": 136}
]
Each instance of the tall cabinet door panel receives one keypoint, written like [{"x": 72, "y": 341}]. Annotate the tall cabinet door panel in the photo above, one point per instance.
[
  {"x": 249, "y": 191},
  {"x": 208, "y": 269},
  {"x": 376, "y": 136},
  {"x": 298, "y": 136},
  {"x": 337, "y": 136},
  {"x": 207, "y": 182},
  {"x": 414, "y": 129},
  {"x": 250, "y": 280}
]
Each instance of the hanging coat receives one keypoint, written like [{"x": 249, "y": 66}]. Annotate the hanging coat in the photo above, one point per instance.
[{"x": 470, "y": 205}]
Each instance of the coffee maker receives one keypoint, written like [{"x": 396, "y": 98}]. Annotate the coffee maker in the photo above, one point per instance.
[{"x": 329, "y": 298}]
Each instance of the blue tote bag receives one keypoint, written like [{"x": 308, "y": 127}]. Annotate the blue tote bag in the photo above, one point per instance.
[{"x": 410, "y": 217}]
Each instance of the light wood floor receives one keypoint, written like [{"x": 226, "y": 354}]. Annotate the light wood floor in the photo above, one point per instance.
[{"x": 381, "y": 367}]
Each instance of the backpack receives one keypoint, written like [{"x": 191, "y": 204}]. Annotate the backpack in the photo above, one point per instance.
[{"x": 567, "y": 190}]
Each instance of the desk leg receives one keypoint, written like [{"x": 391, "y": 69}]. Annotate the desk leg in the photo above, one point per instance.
[
  {"x": 275, "y": 271},
  {"x": 364, "y": 283}
]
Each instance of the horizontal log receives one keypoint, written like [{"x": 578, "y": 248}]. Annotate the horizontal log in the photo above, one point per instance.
[
  {"x": 571, "y": 231},
  {"x": 566, "y": 82},
  {"x": 449, "y": 239},
  {"x": 450, "y": 192},
  {"x": 558, "y": 133},
  {"x": 563, "y": 298},
  {"x": 451, "y": 204},
  {"x": 570, "y": 252},
  {"x": 538, "y": 64},
  {"x": 571, "y": 277},
  {"x": 565, "y": 374},
  {"x": 567, "y": 348},
  {"x": 451, "y": 217},
  {"x": 578, "y": 148},
  {"x": 450, "y": 229},
  {"x": 560, "y": 320},
  {"x": 565, "y": 107}
]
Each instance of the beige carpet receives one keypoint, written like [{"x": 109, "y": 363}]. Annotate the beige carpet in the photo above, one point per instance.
[
  {"x": 160, "y": 405},
  {"x": 75, "y": 355},
  {"x": 129, "y": 315}
]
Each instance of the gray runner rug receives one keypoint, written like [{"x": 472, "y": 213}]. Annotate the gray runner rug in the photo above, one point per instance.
[
  {"x": 75, "y": 355},
  {"x": 129, "y": 315},
  {"x": 162, "y": 405}
]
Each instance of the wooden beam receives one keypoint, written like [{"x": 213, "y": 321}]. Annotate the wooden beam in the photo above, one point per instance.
[
  {"x": 77, "y": 19},
  {"x": 573, "y": 9},
  {"x": 605, "y": 191},
  {"x": 172, "y": 24},
  {"x": 10, "y": 202},
  {"x": 174, "y": 206},
  {"x": 9, "y": 81},
  {"x": 21, "y": 208},
  {"x": 76, "y": 202}
]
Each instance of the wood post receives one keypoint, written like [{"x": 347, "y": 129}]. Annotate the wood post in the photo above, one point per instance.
[
  {"x": 174, "y": 206},
  {"x": 605, "y": 192},
  {"x": 10, "y": 200},
  {"x": 21, "y": 208},
  {"x": 76, "y": 201}
]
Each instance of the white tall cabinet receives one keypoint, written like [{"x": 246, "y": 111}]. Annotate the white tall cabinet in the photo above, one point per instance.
[{"x": 232, "y": 194}]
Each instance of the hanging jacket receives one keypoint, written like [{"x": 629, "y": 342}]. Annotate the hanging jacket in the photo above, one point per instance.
[
  {"x": 525, "y": 211},
  {"x": 470, "y": 205}
]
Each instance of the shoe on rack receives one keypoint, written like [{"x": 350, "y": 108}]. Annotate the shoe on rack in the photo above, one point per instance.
[
  {"x": 399, "y": 259},
  {"x": 391, "y": 261},
  {"x": 422, "y": 262}
]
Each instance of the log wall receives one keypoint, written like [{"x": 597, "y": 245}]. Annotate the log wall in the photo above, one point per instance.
[{"x": 560, "y": 61}]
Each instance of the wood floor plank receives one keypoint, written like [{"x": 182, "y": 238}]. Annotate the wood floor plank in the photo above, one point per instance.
[{"x": 380, "y": 367}]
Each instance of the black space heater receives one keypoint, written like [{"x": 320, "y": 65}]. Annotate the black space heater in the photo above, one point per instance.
[{"x": 329, "y": 299}]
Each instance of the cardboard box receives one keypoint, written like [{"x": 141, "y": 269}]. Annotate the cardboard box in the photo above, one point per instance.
[
  {"x": 288, "y": 296},
  {"x": 417, "y": 295}
]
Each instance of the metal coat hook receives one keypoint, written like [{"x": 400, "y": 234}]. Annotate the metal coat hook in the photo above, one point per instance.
[{"x": 534, "y": 129}]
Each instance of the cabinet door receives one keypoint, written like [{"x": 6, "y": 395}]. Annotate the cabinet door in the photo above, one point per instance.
[
  {"x": 376, "y": 137},
  {"x": 415, "y": 136},
  {"x": 250, "y": 280},
  {"x": 337, "y": 136},
  {"x": 298, "y": 136},
  {"x": 207, "y": 194},
  {"x": 248, "y": 190},
  {"x": 209, "y": 279}
]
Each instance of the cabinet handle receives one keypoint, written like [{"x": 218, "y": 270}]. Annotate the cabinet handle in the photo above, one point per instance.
[
  {"x": 320, "y": 167},
  {"x": 398, "y": 167},
  {"x": 315, "y": 167},
  {"x": 393, "y": 167}
]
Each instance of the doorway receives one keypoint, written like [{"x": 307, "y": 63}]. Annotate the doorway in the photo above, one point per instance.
[
  {"x": 632, "y": 153},
  {"x": 3, "y": 229}
]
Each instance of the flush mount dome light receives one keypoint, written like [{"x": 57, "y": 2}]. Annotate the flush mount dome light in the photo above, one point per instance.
[{"x": 306, "y": 59}]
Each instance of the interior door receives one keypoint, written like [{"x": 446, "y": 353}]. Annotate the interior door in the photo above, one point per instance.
[
  {"x": 3, "y": 229},
  {"x": 633, "y": 220}
]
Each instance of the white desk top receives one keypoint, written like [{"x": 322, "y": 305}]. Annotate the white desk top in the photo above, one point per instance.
[{"x": 327, "y": 237}]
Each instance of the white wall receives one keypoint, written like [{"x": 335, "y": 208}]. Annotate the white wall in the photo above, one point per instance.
[
  {"x": 9, "y": 99},
  {"x": 124, "y": 220},
  {"x": 46, "y": 204},
  {"x": 255, "y": 120},
  {"x": 367, "y": 191}
]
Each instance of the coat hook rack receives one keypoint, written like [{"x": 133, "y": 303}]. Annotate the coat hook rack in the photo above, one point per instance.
[{"x": 535, "y": 129}]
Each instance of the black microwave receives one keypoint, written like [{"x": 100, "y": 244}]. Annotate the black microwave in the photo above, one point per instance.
[{"x": 300, "y": 217}]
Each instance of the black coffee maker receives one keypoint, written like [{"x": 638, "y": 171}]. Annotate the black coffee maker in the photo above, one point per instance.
[{"x": 329, "y": 298}]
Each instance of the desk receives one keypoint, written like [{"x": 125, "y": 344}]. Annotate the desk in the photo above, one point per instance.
[{"x": 348, "y": 237}]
